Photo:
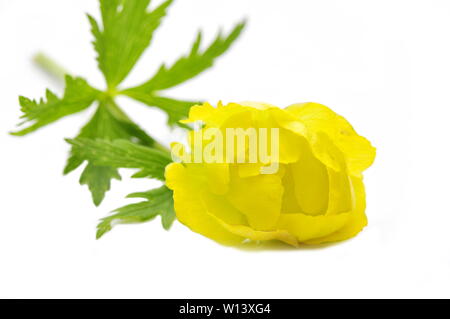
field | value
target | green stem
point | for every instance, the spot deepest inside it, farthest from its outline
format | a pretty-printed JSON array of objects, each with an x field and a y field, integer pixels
[
  {"x": 119, "y": 113},
  {"x": 49, "y": 66},
  {"x": 56, "y": 71}
]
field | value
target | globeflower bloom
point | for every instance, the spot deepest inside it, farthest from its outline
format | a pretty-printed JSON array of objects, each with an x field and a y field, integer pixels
[{"x": 313, "y": 194}]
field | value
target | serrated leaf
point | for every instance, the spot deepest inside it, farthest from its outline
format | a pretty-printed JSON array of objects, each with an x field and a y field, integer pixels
[
  {"x": 190, "y": 65},
  {"x": 98, "y": 179},
  {"x": 176, "y": 109},
  {"x": 158, "y": 202},
  {"x": 108, "y": 123},
  {"x": 122, "y": 154},
  {"x": 78, "y": 96},
  {"x": 182, "y": 70},
  {"x": 127, "y": 31}
]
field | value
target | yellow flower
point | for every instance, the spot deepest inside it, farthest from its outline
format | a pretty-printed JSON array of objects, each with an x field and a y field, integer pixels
[{"x": 316, "y": 195}]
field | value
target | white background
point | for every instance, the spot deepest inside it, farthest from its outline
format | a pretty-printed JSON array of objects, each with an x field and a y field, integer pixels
[{"x": 384, "y": 65}]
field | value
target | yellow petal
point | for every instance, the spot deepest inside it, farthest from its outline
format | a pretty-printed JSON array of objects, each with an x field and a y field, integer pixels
[
  {"x": 175, "y": 175},
  {"x": 287, "y": 144},
  {"x": 288, "y": 121},
  {"x": 249, "y": 233},
  {"x": 311, "y": 183},
  {"x": 218, "y": 177},
  {"x": 289, "y": 204},
  {"x": 249, "y": 169},
  {"x": 358, "y": 151},
  {"x": 288, "y": 131},
  {"x": 219, "y": 207},
  {"x": 257, "y": 105},
  {"x": 305, "y": 227},
  {"x": 289, "y": 147},
  {"x": 357, "y": 218},
  {"x": 311, "y": 112},
  {"x": 211, "y": 215},
  {"x": 215, "y": 116},
  {"x": 199, "y": 113},
  {"x": 258, "y": 198},
  {"x": 341, "y": 194},
  {"x": 236, "y": 117},
  {"x": 190, "y": 208}
]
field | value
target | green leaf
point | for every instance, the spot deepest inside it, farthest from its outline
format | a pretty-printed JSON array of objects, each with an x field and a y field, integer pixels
[
  {"x": 111, "y": 140},
  {"x": 122, "y": 154},
  {"x": 78, "y": 96},
  {"x": 127, "y": 31},
  {"x": 98, "y": 179},
  {"x": 108, "y": 123},
  {"x": 182, "y": 70},
  {"x": 190, "y": 65},
  {"x": 176, "y": 110},
  {"x": 158, "y": 202}
]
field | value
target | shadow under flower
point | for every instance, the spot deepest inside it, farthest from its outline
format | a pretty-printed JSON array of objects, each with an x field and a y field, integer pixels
[{"x": 273, "y": 245}]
